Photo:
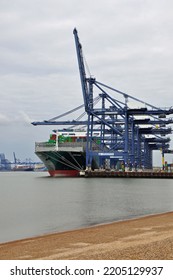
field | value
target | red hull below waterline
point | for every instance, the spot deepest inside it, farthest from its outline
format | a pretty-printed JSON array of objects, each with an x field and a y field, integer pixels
[{"x": 64, "y": 173}]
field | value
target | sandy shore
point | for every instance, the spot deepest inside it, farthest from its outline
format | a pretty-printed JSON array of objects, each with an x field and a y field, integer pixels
[{"x": 149, "y": 237}]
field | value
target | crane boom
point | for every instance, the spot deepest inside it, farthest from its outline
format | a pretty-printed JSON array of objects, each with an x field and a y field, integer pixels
[{"x": 82, "y": 72}]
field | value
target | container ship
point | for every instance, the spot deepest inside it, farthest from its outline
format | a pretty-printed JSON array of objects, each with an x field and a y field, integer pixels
[{"x": 64, "y": 154}]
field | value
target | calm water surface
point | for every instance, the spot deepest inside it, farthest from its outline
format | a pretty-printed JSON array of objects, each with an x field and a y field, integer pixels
[{"x": 32, "y": 203}]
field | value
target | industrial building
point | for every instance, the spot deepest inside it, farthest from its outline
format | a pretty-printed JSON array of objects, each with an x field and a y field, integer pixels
[{"x": 5, "y": 164}]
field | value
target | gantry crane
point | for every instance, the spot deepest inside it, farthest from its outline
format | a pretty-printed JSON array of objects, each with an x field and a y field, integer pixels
[{"x": 125, "y": 134}]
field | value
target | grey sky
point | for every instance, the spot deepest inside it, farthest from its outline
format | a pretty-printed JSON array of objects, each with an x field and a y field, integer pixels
[{"x": 128, "y": 44}]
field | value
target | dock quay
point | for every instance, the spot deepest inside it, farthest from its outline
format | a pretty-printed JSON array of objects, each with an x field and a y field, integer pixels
[{"x": 126, "y": 174}]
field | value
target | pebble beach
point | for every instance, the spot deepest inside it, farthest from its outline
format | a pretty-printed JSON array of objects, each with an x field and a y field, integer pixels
[{"x": 145, "y": 238}]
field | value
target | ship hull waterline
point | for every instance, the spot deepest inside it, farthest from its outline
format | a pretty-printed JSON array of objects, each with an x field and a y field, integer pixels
[{"x": 65, "y": 164}]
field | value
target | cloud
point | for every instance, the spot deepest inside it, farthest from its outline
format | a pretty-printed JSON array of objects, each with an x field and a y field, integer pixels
[
  {"x": 127, "y": 45},
  {"x": 4, "y": 120},
  {"x": 21, "y": 117}
]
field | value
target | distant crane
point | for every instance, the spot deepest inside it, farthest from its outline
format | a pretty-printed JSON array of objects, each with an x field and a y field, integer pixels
[{"x": 15, "y": 159}]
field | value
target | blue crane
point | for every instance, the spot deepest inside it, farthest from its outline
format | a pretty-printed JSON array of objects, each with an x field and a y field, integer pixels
[{"x": 125, "y": 134}]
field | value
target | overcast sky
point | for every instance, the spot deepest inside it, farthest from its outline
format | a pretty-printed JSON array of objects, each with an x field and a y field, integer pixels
[{"x": 128, "y": 44}]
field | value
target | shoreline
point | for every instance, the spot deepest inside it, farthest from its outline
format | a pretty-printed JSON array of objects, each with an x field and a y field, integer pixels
[
  {"x": 81, "y": 228},
  {"x": 146, "y": 237}
]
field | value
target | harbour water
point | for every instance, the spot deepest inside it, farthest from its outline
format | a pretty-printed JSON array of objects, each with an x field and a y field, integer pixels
[{"x": 33, "y": 204}]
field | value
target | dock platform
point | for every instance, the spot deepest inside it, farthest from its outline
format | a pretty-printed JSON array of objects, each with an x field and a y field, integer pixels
[{"x": 127, "y": 174}]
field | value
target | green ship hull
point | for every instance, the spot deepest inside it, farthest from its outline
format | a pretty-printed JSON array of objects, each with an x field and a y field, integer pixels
[{"x": 62, "y": 163}]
